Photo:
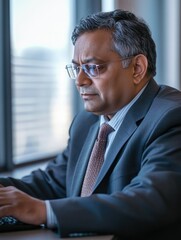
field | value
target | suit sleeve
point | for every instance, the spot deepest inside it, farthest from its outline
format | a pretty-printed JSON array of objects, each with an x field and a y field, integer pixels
[
  {"x": 43, "y": 184},
  {"x": 51, "y": 182}
]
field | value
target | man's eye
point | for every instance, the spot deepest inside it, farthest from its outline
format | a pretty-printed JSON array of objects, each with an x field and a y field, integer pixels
[
  {"x": 92, "y": 69},
  {"x": 89, "y": 67}
]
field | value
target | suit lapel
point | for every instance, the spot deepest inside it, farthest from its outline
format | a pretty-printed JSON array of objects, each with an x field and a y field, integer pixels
[
  {"x": 83, "y": 160},
  {"x": 131, "y": 121},
  {"x": 123, "y": 134}
]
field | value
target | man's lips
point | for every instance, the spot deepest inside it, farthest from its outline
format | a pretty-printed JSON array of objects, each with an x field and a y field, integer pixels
[{"x": 88, "y": 95}]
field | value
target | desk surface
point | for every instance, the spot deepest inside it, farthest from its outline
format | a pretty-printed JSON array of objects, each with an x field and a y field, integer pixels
[{"x": 44, "y": 234}]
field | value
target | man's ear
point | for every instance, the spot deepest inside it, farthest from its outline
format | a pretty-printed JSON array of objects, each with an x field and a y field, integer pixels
[{"x": 140, "y": 68}]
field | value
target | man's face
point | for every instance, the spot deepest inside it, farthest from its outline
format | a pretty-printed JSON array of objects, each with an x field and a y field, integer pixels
[{"x": 114, "y": 87}]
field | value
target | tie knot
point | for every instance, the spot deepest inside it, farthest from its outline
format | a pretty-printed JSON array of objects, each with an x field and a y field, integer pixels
[{"x": 105, "y": 129}]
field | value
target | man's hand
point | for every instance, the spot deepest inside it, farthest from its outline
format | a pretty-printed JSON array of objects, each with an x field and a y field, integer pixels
[{"x": 20, "y": 205}]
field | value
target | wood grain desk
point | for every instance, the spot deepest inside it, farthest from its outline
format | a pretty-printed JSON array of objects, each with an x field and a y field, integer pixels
[{"x": 44, "y": 234}]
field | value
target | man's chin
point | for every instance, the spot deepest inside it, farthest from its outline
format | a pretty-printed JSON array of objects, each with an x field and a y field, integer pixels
[{"x": 93, "y": 111}]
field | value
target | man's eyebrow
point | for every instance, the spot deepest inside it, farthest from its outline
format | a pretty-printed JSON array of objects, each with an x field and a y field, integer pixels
[
  {"x": 74, "y": 62},
  {"x": 88, "y": 60}
]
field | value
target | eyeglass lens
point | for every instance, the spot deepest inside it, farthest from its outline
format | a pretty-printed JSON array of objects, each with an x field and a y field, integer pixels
[{"x": 90, "y": 69}]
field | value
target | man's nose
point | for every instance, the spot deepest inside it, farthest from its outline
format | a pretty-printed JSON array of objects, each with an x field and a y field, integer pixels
[{"x": 82, "y": 79}]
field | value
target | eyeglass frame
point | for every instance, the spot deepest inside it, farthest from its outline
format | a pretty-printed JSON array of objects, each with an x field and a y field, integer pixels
[{"x": 73, "y": 75}]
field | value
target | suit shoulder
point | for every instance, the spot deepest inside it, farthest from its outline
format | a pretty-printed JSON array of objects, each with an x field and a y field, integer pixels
[
  {"x": 169, "y": 93},
  {"x": 166, "y": 105}
]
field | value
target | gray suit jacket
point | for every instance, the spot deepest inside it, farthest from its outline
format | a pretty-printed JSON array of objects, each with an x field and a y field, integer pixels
[{"x": 138, "y": 191}]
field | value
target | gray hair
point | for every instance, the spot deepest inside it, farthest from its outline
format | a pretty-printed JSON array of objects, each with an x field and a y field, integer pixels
[{"x": 131, "y": 35}]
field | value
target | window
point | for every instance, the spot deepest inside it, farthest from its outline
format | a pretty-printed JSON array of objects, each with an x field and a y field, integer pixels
[{"x": 41, "y": 91}]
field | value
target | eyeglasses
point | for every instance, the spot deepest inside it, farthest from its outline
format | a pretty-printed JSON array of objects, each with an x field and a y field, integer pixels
[{"x": 91, "y": 70}]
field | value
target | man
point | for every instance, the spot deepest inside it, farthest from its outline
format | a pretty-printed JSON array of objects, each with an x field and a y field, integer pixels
[{"x": 137, "y": 192}]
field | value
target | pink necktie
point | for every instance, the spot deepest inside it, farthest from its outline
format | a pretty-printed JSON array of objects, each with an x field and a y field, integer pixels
[{"x": 96, "y": 160}]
